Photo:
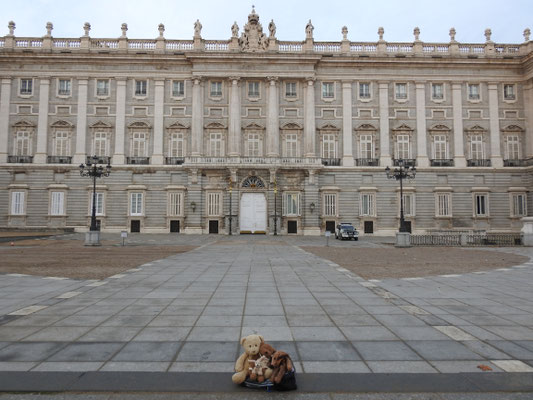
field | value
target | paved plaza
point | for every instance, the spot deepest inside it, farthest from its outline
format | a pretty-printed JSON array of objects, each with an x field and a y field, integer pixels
[{"x": 186, "y": 313}]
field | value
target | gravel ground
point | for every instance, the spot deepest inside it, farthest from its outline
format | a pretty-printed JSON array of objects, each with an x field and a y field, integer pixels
[
  {"x": 379, "y": 263},
  {"x": 71, "y": 259}
]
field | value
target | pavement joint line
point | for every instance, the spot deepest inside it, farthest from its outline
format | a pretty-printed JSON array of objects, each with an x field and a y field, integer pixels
[
  {"x": 28, "y": 310},
  {"x": 512, "y": 365}
]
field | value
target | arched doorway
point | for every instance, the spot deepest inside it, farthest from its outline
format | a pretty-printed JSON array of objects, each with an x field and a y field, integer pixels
[{"x": 253, "y": 207}]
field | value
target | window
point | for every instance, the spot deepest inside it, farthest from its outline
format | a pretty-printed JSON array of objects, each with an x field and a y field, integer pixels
[
  {"x": 178, "y": 88},
  {"x": 26, "y": 87},
  {"x": 366, "y": 147},
  {"x": 61, "y": 144},
  {"x": 440, "y": 147},
  {"x": 476, "y": 147},
  {"x": 141, "y": 88},
  {"x": 481, "y": 205},
  {"x": 328, "y": 90},
  {"x": 518, "y": 206},
  {"x": 443, "y": 205},
  {"x": 138, "y": 148},
  {"x": 253, "y": 89},
  {"x": 175, "y": 204},
  {"x": 330, "y": 204},
  {"x": 509, "y": 92},
  {"x": 57, "y": 203},
  {"x": 367, "y": 207},
  {"x": 329, "y": 146},
  {"x": 136, "y": 204},
  {"x": 291, "y": 204},
  {"x": 402, "y": 147},
  {"x": 364, "y": 90},
  {"x": 22, "y": 143},
  {"x": 401, "y": 91},
  {"x": 473, "y": 92},
  {"x": 64, "y": 87},
  {"x": 290, "y": 89},
  {"x": 513, "y": 148},
  {"x": 253, "y": 145},
  {"x": 102, "y": 87},
  {"x": 213, "y": 204},
  {"x": 100, "y": 144},
  {"x": 216, "y": 89},
  {"x": 215, "y": 144},
  {"x": 17, "y": 203},
  {"x": 437, "y": 91},
  {"x": 291, "y": 145},
  {"x": 99, "y": 203},
  {"x": 176, "y": 145},
  {"x": 408, "y": 205}
]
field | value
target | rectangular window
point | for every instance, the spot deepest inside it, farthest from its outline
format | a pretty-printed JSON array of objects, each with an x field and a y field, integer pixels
[
  {"x": 102, "y": 87},
  {"x": 519, "y": 208},
  {"x": 100, "y": 144},
  {"x": 437, "y": 91},
  {"x": 513, "y": 148},
  {"x": 401, "y": 91},
  {"x": 136, "y": 204},
  {"x": 481, "y": 206},
  {"x": 408, "y": 205},
  {"x": 64, "y": 87},
  {"x": 292, "y": 204},
  {"x": 22, "y": 143},
  {"x": 402, "y": 147},
  {"x": 99, "y": 203},
  {"x": 26, "y": 87},
  {"x": 291, "y": 145},
  {"x": 174, "y": 207},
  {"x": 329, "y": 146},
  {"x": 476, "y": 147},
  {"x": 213, "y": 204},
  {"x": 138, "y": 144},
  {"x": 216, "y": 89},
  {"x": 176, "y": 145},
  {"x": 366, "y": 146},
  {"x": 364, "y": 90},
  {"x": 178, "y": 88},
  {"x": 440, "y": 147},
  {"x": 252, "y": 147},
  {"x": 290, "y": 89},
  {"x": 509, "y": 92},
  {"x": 215, "y": 144},
  {"x": 443, "y": 206},
  {"x": 141, "y": 88},
  {"x": 367, "y": 204},
  {"x": 473, "y": 91},
  {"x": 330, "y": 204},
  {"x": 57, "y": 203},
  {"x": 253, "y": 89},
  {"x": 328, "y": 90},
  {"x": 62, "y": 144},
  {"x": 17, "y": 203}
]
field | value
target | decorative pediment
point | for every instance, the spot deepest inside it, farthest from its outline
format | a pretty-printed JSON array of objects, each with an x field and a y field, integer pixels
[
  {"x": 366, "y": 127},
  {"x": 513, "y": 128},
  {"x": 100, "y": 124},
  {"x": 215, "y": 125},
  {"x": 177, "y": 125},
  {"x": 440, "y": 128},
  {"x": 476, "y": 129},
  {"x": 139, "y": 124},
  {"x": 253, "y": 126},
  {"x": 61, "y": 124},
  {"x": 403, "y": 127},
  {"x": 328, "y": 127},
  {"x": 24, "y": 124},
  {"x": 291, "y": 125}
]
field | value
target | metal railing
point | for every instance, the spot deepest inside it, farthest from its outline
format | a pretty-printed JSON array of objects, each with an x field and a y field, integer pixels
[
  {"x": 435, "y": 240},
  {"x": 367, "y": 162},
  {"x": 478, "y": 163},
  {"x": 407, "y": 162},
  {"x": 331, "y": 161},
  {"x": 20, "y": 159},
  {"x": 514, "y": 163},
  {"x": 59, "y": 159},
  {"x": 466, "y": 238},
  {"x": 174, "y": 160},
  {"x": 441, "y": 162},
  {"x": 138, "y": 160},
  {"x": 495, "y": 239},
  {"x": 100, "y": 160}
]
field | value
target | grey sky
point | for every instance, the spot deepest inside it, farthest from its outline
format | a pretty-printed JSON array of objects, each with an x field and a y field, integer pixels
[{"x": 507, "y": 19}]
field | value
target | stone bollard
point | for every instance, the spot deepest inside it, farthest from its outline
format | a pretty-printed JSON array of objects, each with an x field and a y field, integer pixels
[
  {"x": 527, "y": 231},
  {"x": 403, "y": 239}
]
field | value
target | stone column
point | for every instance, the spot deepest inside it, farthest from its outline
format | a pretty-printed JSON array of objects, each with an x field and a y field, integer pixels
[
  {"x": 197, "y": 128},
  {"x": 385, "y": 157},
  {"x": 81, "y": 123},
  {"x": 120, "y": 122},
  {"x": 347, "y": 125},
  {"x": 272, "y": 128},
  {"x": 495, "y": 149},
  {"x": 458, "y": 148},
  {"x": 528, "y": 99},
  {"x": 309, "y": 119},
  {"x": 5, "y": 97},
  {"x": 234, "y": 132},
  {"x": 421, "y": 131},
  {"x": 159, "y": 100},
  {"x": 42, "y": 127}
]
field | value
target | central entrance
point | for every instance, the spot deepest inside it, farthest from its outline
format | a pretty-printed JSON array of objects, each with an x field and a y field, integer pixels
[{"x": 253, "y": 215}]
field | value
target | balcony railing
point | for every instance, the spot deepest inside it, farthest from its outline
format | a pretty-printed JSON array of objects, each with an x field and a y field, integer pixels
[
  {"x": 478, "y": 163},
  {"x": 407, "y": 162},
  {"x": 288, "y": 161},
  {"x": 174, "y": 160},
  {"x": 515, "y": 163},
  {"x": 331, "y": 162},
  {"x": 20, "y": 159},
  {"x": 442, "y": 162},
  {"x": 367, "y": 162},
  {"x": 101, "y": 160},
  {"x": 138, "y": 160},
  {"x": 59, "y": 159}
]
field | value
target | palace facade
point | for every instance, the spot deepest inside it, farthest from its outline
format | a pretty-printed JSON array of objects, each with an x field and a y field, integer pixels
[{"x": 268, "y": 135}]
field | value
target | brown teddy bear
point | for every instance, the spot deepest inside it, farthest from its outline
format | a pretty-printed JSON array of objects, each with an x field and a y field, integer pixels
[
  {"x": 246, "y": 361},
  {"x": 281, "y": 363},
  {"x": 267, "y": 350}
]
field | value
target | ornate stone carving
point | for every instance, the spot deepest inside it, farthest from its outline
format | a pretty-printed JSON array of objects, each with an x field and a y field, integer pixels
[
  {"x": 452, "y": 35},
  {"x": 253, "y": 38},
  {"x": 86, "y": 28},
  {"x": 272, "y": 29},
  {"x": 197, "y": 29},
  {"x": 344, "y": 32},
  {"x": 488, "y": 33},
  {"x": 49, "y": 28},
  {"x": 527, "y": 33},
  {"x": 381, "y": 32},
  {"x": 124, "y": 29},
  {"x": 11, "y": 26},
  {"x": 253, "y": 182},
  {"x": 309, "y": 28},
  {"x": 235, "y": 30}
]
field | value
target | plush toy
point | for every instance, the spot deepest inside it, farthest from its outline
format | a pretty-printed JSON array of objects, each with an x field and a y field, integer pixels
[
  {"x": 281, "y": 363},
  {"x": 246, "y": 362},
  {"x": 267, "y": 350},
  {"x": 258, "y": 372}
]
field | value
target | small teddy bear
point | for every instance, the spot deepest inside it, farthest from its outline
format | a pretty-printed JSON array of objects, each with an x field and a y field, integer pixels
[
  {"x": 266, "y": 350},
  {"x": 281, "y": 363},
  {"x": 257, "y": 373},
  {"x": 247, "y": 361}
]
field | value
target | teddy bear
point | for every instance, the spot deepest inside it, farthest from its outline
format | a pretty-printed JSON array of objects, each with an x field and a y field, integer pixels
[
  {"x": 246, "y": 361},
  {"x": 258, "y": 371},
  {"x": 266, "y": 350},
  {"x": 281, "y": 363}
]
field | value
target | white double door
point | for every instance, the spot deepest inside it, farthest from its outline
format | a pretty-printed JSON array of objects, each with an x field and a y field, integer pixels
[{"x": 253, "y": 215}]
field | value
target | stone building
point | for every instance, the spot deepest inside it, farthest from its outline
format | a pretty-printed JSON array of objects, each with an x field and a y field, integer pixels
[{"x": 285, "y": 136}]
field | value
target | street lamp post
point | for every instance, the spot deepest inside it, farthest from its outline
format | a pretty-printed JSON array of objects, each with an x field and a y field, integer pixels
[
  {"x": 230, "y": 188},
  {"x": 401, "y": 173},
  {"x": 275, "y": 208},
  {"x": 93, "y": 170}
]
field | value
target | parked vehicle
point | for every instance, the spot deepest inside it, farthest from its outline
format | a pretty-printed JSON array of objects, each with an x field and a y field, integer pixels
[{"x": 346, "y": 230}]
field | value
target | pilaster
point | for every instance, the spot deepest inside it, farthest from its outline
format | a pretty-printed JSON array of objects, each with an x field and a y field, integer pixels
[
  {"x": 309, "y": 118},
  {"x": 528, "y": 101},
  {"x": 385, "y": 157},
  {"x": 421, "y": 130},
  {"x": 120, "y": 122},
  {"x": 159, "y": 100},
  {"x": 5, "y": 97},
  {"x": 42, "y": 125},
  {"x": 197, "y": 117},
  {"x": 495, "y": 149},
  {"x": 272, "y": 128},
  {"x": 457, "y": 100},
  {"x": 347, "y": 125},
  {"x": 234, "y": 133},
  {"x": 81, "y": 123}
]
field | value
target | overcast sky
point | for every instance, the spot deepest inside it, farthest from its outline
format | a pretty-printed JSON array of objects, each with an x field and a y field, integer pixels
[{"x": 507, "y": 19}]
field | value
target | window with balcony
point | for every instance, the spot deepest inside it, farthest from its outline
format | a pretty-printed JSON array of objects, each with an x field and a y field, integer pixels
[
  {"x": 366, "y": 147},
  {"x": 64, "y": 87},
  {"x": 61, "y": 144},
  {"x": 481, "y": 205},
  {"x": 253, "y": 145},
  {"x": 509, "y": 92},
  {"x": 364, "y": 91},
  {"x": 474, "y": 93},
  {"x": 216, "y": 89},
  {"x": 22, "y": 144},
  {"x": 178, "y": 88},
  {"x": 18, "y": 205},
  {"x": 329, "y": 146},
  {"x": 367, "y": 206},
  {"x": 100, "y": 144},
  {"x": 476, "y": 147},
  {"x": 141, "y": 88},
  {"x": 400, "y": 91},
  {"x": 102, "y": 88},
  {"x": 138, "y": 144},
  {"x": 291, "y": 145},
  {"x": 437, "y": 91},
  {"x": 328, "y": 90},
  {"x": 512, "y": 147},
  {"x": 176, "y": 145},
  {"x": 216, "y": 148},
  {"x": 440, "y": 147},
  {"x": 26, "y": 87},
  {"x": 402, "y": 147},
  {"x": 136, "y": 204},
  {"x": 443, "y": 205}
]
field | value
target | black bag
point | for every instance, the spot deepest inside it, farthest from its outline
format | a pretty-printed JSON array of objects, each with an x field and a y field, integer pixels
[
  {"x": 265, "y": 385},
  {"x": 288, "y": 382}
]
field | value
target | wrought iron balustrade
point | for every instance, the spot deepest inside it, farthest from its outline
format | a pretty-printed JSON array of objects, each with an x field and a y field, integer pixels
[
  {"x": 407, "y": 162},
  {"x": 441, "y": 162},
  {"x": 100, "y": 159},
  {"x": 478, "y": 163},
  {"x": 59, "y": 159},
  {"x": 331, "y": 162},
  {"x": 514, "y": 163},
  {"x": 20, "y": 159},
  {"x": 138, "y": 160},
  {"x": 367, "y": 162},
  {"x": 174, "y": 160}
]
